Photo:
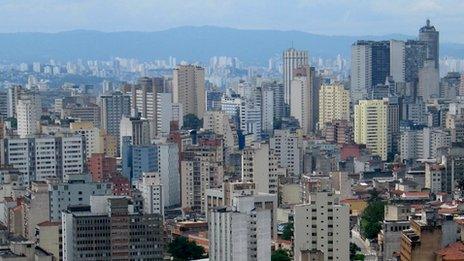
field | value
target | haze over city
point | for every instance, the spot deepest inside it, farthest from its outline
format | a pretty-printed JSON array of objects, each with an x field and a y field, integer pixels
[{"x": 298, "y": 130}]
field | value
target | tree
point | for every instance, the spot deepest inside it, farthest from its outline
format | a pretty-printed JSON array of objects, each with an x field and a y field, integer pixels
[
  {"x": 287, "y": 232},
  {"x": 371, "y": 218},
  {"x": 280, "y": 255},
  {"x": 183, "y": 249},
  {"x": 191, "y": 121},
  {"x": 354, "y": 249}
]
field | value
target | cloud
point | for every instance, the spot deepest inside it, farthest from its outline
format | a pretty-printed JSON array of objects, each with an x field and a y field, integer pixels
[{"x": 333, "y": 17}]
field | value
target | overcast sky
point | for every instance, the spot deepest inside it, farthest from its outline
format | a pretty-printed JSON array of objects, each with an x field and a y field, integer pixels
[{"x": 330, "y": 17}]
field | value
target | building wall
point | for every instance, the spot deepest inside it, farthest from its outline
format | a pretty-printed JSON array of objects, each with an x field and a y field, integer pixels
[
  {"x": 334, "y": 104},
  {"x": 371, "y": 126}
]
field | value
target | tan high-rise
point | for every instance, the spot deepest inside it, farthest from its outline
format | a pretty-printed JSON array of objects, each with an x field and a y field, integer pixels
[
  {"x": 188, "y": 87},
  {"x": 370, "y": 126},
  {"x": 334, "y": 104}
]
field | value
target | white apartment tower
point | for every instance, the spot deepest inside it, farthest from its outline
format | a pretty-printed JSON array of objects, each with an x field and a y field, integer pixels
[
  {"x": 292, "y": 59},
  {"x": 361, "y": 72},
  {"x": 152, "y": 193},
  {"x": 322, "y": 224},
  {"x": 28, "y": 113},
  {"x": 239, "y": 235},
  {"x": 286, "y": 146},
  {"x": 260, "y": 165}
]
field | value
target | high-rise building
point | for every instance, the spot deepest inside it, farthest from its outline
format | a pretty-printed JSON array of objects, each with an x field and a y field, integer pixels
[
  {"x": 292, "y": 59},
  {"x": 28, "y": 118},
  {"x": 250, "y": 118},
  {"x": 236, "y": 234},
  {"x": 422, "y": 143},
  {"x": 278, "y": 95},
  {"x": 45, "y": 157},
  {"x": 398, "y": 60},
  {"x": 430, "y": 36},
  {"x": 144, "y": 97},
  {"x": 338, "y": 131},
  {"x": 334, "y": 104},
  {"x": 301, "y": 97},
  {"x": 114, "y": 107},
  {"x": 102, "y": 168},
  {"x": 287, "y": 147},
  {"x": 167, "y": 112},
  {"x": 261, "y": 166},
  {"x": 92, "y": 135},
  {"x": 322, "y": 224},
  {"x": 202, "y": 167},
  {"x": 111, "y": 230},
  {"x": 370, "y": 65},
  {"x": 188, "y": 84},
  {"x": 370, "y": 126},
  {"x": 135, "y": 129},
  {"x": 219, "y": 123},
  {"x": 3, "y": 104},
  {"x": 415, "y": 56},
  {"x": 168, "y": 168},
  {"x": 429, "y": 78},
  {"x": 152, "y": 193},
  {"x": 267, "y": 109},
  {"x": 74, "y": 190}
]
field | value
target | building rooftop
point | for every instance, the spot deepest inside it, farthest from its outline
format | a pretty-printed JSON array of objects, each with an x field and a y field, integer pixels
[
  {"x": 48, "y": 224},
  {"x": 454, "y": 251}
]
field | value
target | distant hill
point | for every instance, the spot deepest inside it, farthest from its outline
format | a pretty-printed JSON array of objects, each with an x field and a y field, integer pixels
[{"x": 185, "y": 43}]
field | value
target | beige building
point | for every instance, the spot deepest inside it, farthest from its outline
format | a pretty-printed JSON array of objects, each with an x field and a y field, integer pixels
[
  {"x": 188, "y": 88},
  {"x": 334, "y": 104},
  {"x": 49, "y": 238},
  {"x": 201, "y": 168},
  {"x": 301, "y": 97},
  {"x": 37, "y": 207},
  {"x": 370, "y": 126},
  {"x": 219, "y": 123},
  {"x": 92, "y": 134},
  {"x": 260, "y": 165}
]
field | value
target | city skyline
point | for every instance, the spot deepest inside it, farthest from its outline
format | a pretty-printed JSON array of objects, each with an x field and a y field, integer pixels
[{"x": 350, "y": 18}]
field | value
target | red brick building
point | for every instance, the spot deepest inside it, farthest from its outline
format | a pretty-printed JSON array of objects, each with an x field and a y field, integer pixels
[{"x": 101, "y": 167}]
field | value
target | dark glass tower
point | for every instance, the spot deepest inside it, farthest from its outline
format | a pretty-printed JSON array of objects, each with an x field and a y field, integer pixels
[{"x": 430, "y": 35}]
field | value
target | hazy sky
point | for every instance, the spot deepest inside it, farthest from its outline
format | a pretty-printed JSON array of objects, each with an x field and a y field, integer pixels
[{"x": 330, "y": 17}]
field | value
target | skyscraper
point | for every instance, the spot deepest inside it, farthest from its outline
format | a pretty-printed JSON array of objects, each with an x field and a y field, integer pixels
[
  {"x": 188, "y": 84},
  {"x": 428, "y": 86},
  {"x": 430, "y": 35},
  {"x": 397, "y": 60},
  {"x": 292, "y": 59},
  {"x": 370, "y": 65},
  {"x": 415, "y": 55}
]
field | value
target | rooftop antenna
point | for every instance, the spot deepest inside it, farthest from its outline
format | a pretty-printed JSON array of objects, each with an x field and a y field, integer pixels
[{"x": 292, "y": 44}]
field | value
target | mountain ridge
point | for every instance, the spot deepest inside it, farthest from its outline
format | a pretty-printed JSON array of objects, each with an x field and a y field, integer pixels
[{"x": 191, "y": 43}]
